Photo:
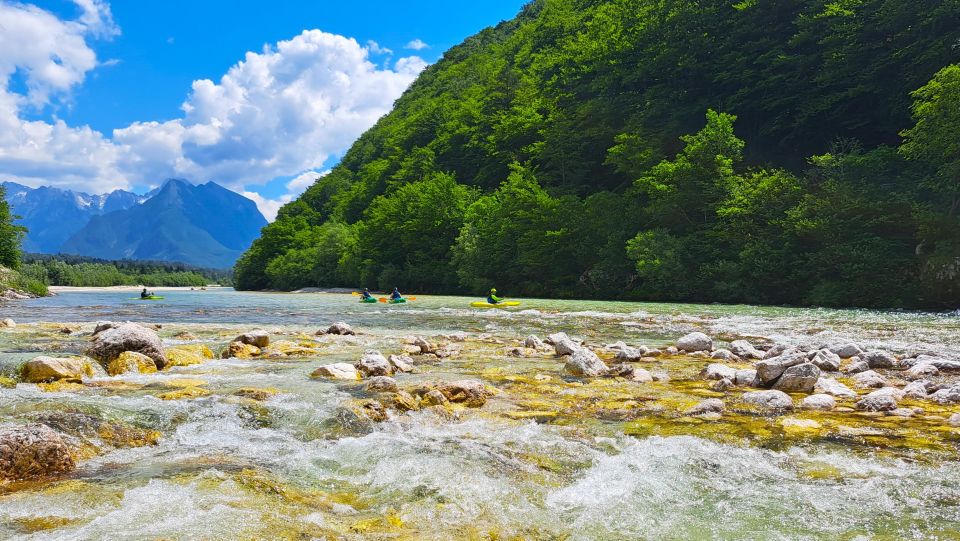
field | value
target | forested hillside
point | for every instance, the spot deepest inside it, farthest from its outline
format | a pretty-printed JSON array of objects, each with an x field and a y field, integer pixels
[{"x": 801, "y": 152}]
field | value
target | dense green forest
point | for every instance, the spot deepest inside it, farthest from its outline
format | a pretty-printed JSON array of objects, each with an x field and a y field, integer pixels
[
  {"x": 80, "y": 271},
  {"x": 11, "y": 236},
  {"x": 798, "y": 152}
]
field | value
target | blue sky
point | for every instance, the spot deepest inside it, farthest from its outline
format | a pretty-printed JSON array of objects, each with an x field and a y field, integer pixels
[{"x": 131, "y": 66}]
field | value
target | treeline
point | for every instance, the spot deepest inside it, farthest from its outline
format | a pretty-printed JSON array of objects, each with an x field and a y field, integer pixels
[
  {"x": 80, "y": 271},
  {"x": 799, "y": 152}
]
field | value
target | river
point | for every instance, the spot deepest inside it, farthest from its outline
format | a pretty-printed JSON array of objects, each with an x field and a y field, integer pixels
[{"x": 548, "y": 456}]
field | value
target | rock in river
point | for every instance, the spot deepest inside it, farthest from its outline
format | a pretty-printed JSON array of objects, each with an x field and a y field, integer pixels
[
  {"x": 772, "y": 400},
  {"x": 826, "y": 360},
  {"x": 382, "y": 384},
  {"x": 695, "y": 341},
  {"x": 769, "y": 370},
  {"x": 717, "y": 371},
  {"x": 133, "y": 362},
  {"x": 31, "y": 451},
  {"x": 819, "y": 402},
  {"x": 373, "y": 363},
  {"x": 877, "y": 401},
  {"x": 338, "y": 328},
  {"x": 110, "y": 343},
  {"x": 585, "y": 363},
  {"x": 869, "y": 380},
  {"x": 798, "y": 379},
  {"x": 833, "y": 387},
  {"x": 710, "y": 405},
  {"x": 879, "y": 359},
  {"x": 43, "y": 369},
  {"x": 344, "y": 371},
  {"x": 745, "y": 350},
  {"x": 258, "y": 338}
]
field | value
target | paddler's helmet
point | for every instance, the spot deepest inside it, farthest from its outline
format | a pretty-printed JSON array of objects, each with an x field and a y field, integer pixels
[{"x": 493, "y": 290}]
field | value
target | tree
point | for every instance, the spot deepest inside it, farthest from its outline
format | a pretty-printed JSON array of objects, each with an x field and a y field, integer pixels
[{"x": 10, "y": 235}]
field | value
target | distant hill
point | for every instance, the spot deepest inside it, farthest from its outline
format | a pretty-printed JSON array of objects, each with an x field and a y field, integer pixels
[
  {"x": 52, "y": 215},
  {"x": 205, "y": 225}
]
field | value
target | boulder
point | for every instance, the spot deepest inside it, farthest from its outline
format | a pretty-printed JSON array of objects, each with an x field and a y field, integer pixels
[
  {"x": 768, "y": 370},
  {"x": 239, "y": 350},
  {"x": 43, "y": 369},
  {"x": 800, "y": 378},
  {"x": 8, "y": 323},
  {"x": 640, "y": 375},
  {"x": 879, "y": 358},
  {"x": 565, "y": 346},
  {"x": 630, "y": 354},
  {"x": 101, "y": 326},
  {"x": 258, "y": 338},
  {"x": 820, "y": 401},
  {"x": 552, "y": 339},
  {"x": 345, "y": 371},
  {"x": 777, "y": 350},
  {"x": 434, "y": 398},
  {"x": 877, "y": 401},
  {"x": 382, "y": 384},
  {"x": 954, "y": 420},
  {"x": 339, "y": 328},
  {"x": 950, "y": 395},
  {"x": 833, "y": 387},
  {"x": 184, "y": 357},
  {"x": 695, "y": 341},
  {"x": 745, "y": 376},
  {"x": 585, "y": 363},
  {"x": 856, "y": 366},
  {"x": 425, "y": 345},
  {"x": 717, "y": 371},
  {"x": 131, "y": 362},
  {"x": 401, "y": 363},
  {"x": 826, "y": 360},
  {"x": 710, "y": 405},
  {"x": 916, "y": 390},
  {"x": 468, "y": 392},
  {"x": 724, "y": 355},
  {"x": 31, "y": 451},
  {"x": 940, "y": 363},
  {"x": 745, "y": 350},
  {"x": 373, "y": 363},
  {"x": 533, "y": 342},
  {"x": 845, "y": 351},
  {"x": 772, "y": 400},
  {"x": 869, "y": 380},
  {"x": 921, "y": 371},
  {"x": 108, "y": 344}
]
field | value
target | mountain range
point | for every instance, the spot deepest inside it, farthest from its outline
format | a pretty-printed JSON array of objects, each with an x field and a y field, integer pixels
[{"x": 205, "y": 225}]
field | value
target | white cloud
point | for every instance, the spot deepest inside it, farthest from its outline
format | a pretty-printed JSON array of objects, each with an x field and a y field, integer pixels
[
  {"x": 417, "y": 45},
  {"x": 268, "y": 207},
  {"x": 301, "y": 182},
  {"x": 278, "y": 112},
  {"x": 375, "y": 48}
]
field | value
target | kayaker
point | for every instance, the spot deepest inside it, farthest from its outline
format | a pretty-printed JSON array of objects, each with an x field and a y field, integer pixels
[
  {"x": 395, "y": 296},
  {"x": 145, "y": 295},
  {"x": 366, "y": 294},
  {"x": 493, "y": 298}
]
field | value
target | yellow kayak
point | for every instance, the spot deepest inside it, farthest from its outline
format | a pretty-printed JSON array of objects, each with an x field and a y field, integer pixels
[{"x": 482, "y": 304}]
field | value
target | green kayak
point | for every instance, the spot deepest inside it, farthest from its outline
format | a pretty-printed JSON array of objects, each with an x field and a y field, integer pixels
[
  {"x": 397, "y": 301},
  {"x": 371, "y": 300}
]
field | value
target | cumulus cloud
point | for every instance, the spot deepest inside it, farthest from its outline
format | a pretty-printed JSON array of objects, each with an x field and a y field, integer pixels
[
  {"x": 283, "y": 111},
  {"x": 417, "y": 45},
  {"x": 375, "y": 48}
]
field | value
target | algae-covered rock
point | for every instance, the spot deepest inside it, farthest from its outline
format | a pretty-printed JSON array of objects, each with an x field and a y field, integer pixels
[
  {"x": 695, "y": 341},
  {"x": 8, "y": 323},
  {"x": 131, "y": 362},
  {"x": 181, "y": 357},
  {"x": 45, "y": 369},
  {"x": 31, "y": 451},
  {"x": 373, "y": 363},
  {"x": 772, "y": 400},
  {"x": 403, "y": 401},
  {"x": 258, "y": 338},
  {"x": 469, "y": 392},
  {"x": 798, "y": 379},
  {"x": 256, "y": 393},
  {"x": 110, "y": 343},
  {"x": 186, "y": 392},
  {"x": 434, "y": 398},
  {"x": 345, "y": 371},
  {"x": 7, "y": 383},
  {"x": 710, "y": 405},
  {"x": 768, "y": 370},
  {"x": 239, "y": 350}
]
